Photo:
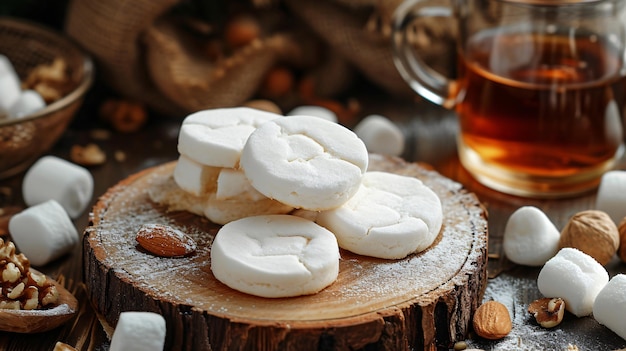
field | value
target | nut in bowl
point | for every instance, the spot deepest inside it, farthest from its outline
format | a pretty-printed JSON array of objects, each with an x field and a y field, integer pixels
[{"x": 35, "y": 52}]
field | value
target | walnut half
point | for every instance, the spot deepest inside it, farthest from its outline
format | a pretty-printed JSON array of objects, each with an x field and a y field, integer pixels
[
  {"x": 548, "y": 311},
  {"x": 21, "y": 288}
]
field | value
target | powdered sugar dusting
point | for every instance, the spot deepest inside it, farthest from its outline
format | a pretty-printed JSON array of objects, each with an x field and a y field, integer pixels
[
  {"x": 514, "y": 291},
  {"x": 364, "y": 284}
]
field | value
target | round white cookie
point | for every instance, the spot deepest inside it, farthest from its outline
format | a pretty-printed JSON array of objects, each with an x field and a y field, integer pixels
[
  {"x": 391, "y": 216},
  {"x": 195, "y": 178},
  {"x": 305, "y": 162},
  {"x": 222, "y": 211},
  {"x": 275, "y": 256},
  {"x": 216, "y": 137}
]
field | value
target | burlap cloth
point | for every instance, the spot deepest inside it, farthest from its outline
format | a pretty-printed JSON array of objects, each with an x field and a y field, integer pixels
[{"x": 142, "y": 53}]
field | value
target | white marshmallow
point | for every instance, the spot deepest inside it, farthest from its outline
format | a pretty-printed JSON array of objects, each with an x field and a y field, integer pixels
[
  {"x": 195, "y": 178},
  {"x": 10, "y": 85},
  {"x": 380, "y": 135},
  {"x": 43, "y": 232},
  {"x": 609, "y": 307},
  {"x": 139, "y": 331},
  {"x": 530, "y": 238},
  {"x": 234, "y": 208},
  {"x": 575, "y": 277},
  {"x": 305, "y": 162},
  {"x": 27, "y": 103},
  {"x": 216, "y": 137},
  {"x": 57, "y": 179},
  {"x": 612, "y": 195},
  {"x": 391, "y": 216},
  {"x": 5, "y": 65},
  {"x": 275, "y": 256},
  {"x": 232, "y": 183},
  {"x": 315, "y": 111}
]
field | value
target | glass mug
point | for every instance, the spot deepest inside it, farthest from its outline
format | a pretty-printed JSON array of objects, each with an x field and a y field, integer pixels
[{"x": 539, "y": 90}]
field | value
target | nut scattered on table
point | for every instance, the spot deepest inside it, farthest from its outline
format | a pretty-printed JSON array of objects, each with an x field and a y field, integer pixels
[
  {"x": 492, "y": 321},
  {"x": 548, "y": 312},
  {"x": 88, "y": 155},
  {"x": 592, "y": 232},
  {"x": 124, "y": 115},
  {"x": 21, "y": 287},
  {"x": 165, "y": 241}
]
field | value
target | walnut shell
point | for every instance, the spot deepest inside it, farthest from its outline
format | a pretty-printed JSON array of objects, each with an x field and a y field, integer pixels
[
  {"x": 592, "y": 232},
  {"x": 622, "y": 239}
]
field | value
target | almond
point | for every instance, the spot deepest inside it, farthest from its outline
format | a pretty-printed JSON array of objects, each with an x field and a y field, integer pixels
[
  {"x": 492, "y": 321},
  {"x": 165, "y": 241}
]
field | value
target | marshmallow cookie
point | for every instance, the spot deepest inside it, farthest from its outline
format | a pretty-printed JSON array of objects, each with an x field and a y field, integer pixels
[
  {"x": 275, "y": 256},
  {"x": 391, "y": 216},
  {"x": 195, "y": 178},
  {"x": 306, "y": 162},
  {"x": 216, "y": 137}
]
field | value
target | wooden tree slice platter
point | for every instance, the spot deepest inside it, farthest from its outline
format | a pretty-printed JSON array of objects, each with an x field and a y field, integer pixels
[{"x": 424, "y": 301}]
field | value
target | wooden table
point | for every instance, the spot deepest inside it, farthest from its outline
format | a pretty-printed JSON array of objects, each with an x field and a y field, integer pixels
[{"x": 430, "y": 138}]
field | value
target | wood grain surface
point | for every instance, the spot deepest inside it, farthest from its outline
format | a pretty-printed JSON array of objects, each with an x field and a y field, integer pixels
[{"x": 427, "y": 299}]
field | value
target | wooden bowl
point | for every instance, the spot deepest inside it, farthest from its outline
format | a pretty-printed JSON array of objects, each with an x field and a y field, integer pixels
[{"x": 23, "y": 140}]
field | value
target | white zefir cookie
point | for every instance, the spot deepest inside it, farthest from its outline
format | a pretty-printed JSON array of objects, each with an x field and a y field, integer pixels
[
  {"x": 305, "y": 162},
  {"x": 216, "y": 137},
  {"x": 232, "y": 183},
  {"x": 195, "y": 178},
  {"x": 174, "y": 198},
  {"x": 391, "y": 216},
  {"x": 275, "y": 256},
  {"x": 238, "y": 207},
  {"x": 219, "y": 211}
]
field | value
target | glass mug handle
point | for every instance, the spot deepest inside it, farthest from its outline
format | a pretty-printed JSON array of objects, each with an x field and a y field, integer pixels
[{"x": 423, "y": 79}]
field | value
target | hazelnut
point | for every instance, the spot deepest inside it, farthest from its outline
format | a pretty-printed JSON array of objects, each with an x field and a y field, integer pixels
[
  {"x": 622, "y": 239},
  {"x": 278, "y": 82},
  {"x": 548, "y": 312},
  {"x": 492, "y": 321},
  {"x": 124, "y": 115},
  {"x": 592, "y": 232}
]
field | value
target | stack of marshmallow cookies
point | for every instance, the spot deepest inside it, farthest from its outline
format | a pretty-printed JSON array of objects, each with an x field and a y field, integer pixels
[{"x": 289, "y": 192}]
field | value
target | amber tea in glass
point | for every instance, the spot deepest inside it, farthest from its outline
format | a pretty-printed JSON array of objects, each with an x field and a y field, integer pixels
[{"x": 539, "y": 92}]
